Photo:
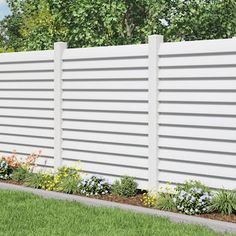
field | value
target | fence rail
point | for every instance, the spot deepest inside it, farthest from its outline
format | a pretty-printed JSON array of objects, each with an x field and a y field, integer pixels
[{"x": 161, "y": 112}]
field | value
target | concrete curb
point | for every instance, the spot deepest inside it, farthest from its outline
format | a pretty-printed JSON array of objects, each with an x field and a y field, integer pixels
[{"x": 216, "y": 225}]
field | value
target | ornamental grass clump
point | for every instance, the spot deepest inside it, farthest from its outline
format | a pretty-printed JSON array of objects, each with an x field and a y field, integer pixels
[
  {"x": 94, "y": 185},
  {"x": 224, "y": 202},
  {"x": 192, "y": 198},
  {"x": 165, "y": 198}
]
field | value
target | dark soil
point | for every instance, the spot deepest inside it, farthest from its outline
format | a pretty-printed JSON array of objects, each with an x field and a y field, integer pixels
[{"x": 137, "y": 201}]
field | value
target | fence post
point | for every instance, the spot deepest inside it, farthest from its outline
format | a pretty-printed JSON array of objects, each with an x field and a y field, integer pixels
[
  {"x": 58, "y": 53},
  {"x": 154, "y": 42}
]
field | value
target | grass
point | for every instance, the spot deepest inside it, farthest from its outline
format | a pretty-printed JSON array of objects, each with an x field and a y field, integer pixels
[{"x": 26, "y": 214}]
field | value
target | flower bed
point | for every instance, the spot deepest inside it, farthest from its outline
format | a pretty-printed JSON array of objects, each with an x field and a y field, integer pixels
[{"x": 192, "y": 197}]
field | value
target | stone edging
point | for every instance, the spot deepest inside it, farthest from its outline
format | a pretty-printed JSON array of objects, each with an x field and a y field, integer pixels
[{"x": 219, "y": 226}]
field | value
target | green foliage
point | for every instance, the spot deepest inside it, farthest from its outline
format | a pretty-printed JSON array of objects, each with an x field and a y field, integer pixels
[
  {"x": 20, "y": 174},
  {"x": 192, "y": 197},
  {"x": 224, "y": 202},
  {"x": 37, "y": 24},
  {"x": 64, "y": 180},
  {"x": 94, "y": 185},
  {"x": 126, "y": 187},
  {"x": 165, "y": 198},
  {"x": 35, "y": 180},
  {"x": 69, "y": 185}
]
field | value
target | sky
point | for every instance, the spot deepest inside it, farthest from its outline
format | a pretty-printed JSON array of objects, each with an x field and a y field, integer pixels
[{"x": 4, "y": 10}]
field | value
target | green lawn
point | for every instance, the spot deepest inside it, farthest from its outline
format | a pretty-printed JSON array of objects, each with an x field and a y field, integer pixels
[{"x": 25, "y": 214}]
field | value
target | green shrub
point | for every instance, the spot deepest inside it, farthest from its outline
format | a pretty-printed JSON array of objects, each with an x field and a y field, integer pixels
[
  {"x": 94, "y": 185},
  {"x": 20, "y": 174},
  {"x": 192, "y": 197},
  {"x": 224, "y": 202},
  {"x": 126, "y": 187}
]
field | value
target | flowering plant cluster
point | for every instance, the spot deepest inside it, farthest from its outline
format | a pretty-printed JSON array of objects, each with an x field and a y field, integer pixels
[
  {"x": 149, "y": 199},
  {"x": 193, "y": 199},
  {"x": 10, "y": 163},
  {"x": 94, "y": 185}
]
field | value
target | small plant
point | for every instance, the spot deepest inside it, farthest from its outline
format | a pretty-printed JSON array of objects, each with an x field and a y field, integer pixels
[
  {"x": 5, "y": 170},
  {"x": 192, "y": 198},
  {"x": 94, "y": 185},
  {"x": 69, "y": 185},
  {"x": 126, "y": 187},
  {"x": 35, "y": 180},
  {"x": 20, "y": 174},
  {"x": 224, "y": 202},
  {"x": 165, "y": 198},
  {"x": 149, "y": 199}
]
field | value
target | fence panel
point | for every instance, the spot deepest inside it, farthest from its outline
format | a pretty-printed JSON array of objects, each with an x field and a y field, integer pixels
[
  {"x": 197, "y": 112},
  {"x": 26, "y": 104},
  {"x": 105, "y": 110}
]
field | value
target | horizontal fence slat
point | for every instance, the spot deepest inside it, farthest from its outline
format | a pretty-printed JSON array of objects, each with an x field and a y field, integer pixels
[
  {"x": 208, "y": 109},
  {"x": 206, "y": 60},
  {"x": 105, "y": 64},
  {"x": 218, "y": 72},
  {"x": 30, "y": 95},
  {"x": 24, "y": 85},
  {"x": 106, "y": 106},
  {"x": 110, "y": 159},
  {"x": 106, "y": 74},
  {"x": 213, "y": 182},
  {"x": 26, "y": 140},
  {"x": 191, "y": 120},
  {"x": 32, "y": 56},
  {"x": 202, "y": 85},
  {"x": 27, "y": 131},
  {"x": 26, "y": 76},
  {"x": 105, "y": 137},
  {"x": 36, "y": 66},
  {"x": 196, "y": 156},
  {"x": 221, "y": 97},
  {"x": 105, "y": 95},
  {"x": 111, "y": 169},
  {"x": 106, "y": 127},
  {"x": 105, "y": 116},
  {"x": 205, "y": 133},
  {"x": 26, "y": 104},
  {"x": 26, "y": 122},
  {"x": 106, "y": 85},
  {"x": 196, "y": 144},
  {"x": 106, "y": 148},
  {"x": 198, "y": 47},
  {"x": 195, "y": 168},
  {"x": 26, "y": 149},
  {"x": 106, "y": 52},
  {"x": 26, "y": 113}
]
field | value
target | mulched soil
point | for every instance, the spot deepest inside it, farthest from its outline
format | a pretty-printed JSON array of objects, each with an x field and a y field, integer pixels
[{"x": 137, "y": 201}]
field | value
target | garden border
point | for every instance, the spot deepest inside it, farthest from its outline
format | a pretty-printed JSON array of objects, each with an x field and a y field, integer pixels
[{"x": 219, "y": 226}]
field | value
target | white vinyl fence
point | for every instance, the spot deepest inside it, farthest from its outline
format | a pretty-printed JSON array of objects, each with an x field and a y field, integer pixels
[{"x": 161, "y": 112}]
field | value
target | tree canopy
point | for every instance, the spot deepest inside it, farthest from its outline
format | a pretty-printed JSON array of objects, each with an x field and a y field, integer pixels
[{"x": 37, "y": 24}]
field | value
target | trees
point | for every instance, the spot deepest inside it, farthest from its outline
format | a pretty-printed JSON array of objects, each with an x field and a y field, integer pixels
[{"x": 36, "y": 24}]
